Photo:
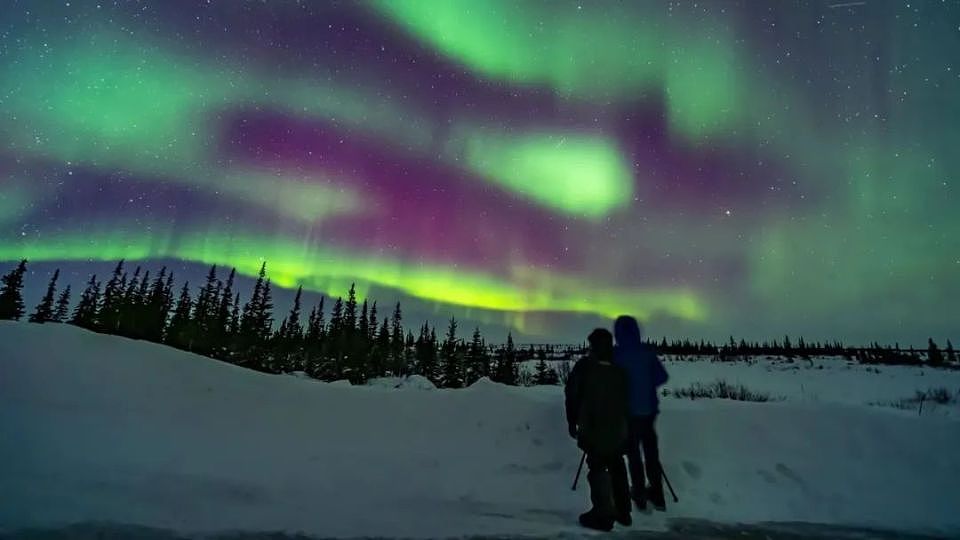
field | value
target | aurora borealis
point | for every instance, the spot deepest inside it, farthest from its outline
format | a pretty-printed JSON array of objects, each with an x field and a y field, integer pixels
[{"x": 716, "y": 168}]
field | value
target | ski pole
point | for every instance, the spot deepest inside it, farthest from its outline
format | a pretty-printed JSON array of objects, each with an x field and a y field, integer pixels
[
  {"x": 577, "y": 477},
  {"x": 663, "y": 473}
]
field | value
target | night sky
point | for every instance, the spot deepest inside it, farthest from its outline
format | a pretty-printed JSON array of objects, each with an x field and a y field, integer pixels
[{"x": 715, "y": 168}]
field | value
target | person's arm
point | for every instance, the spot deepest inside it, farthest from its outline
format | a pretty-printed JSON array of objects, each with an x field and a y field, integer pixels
[
  {"x": 660, "y": 376},
  {"x": 572, "y": 391}
]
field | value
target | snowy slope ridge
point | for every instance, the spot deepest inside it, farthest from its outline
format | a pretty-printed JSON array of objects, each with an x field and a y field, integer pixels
[{"x": 104, "y": 429}]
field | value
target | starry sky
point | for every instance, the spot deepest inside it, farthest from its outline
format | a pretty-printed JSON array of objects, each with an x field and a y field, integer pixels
[{"x": 714, "y": 168}]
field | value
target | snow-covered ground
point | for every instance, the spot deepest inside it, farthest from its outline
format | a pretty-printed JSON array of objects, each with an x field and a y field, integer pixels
[
  {"x": 826, "y": 380},
  {"x": 97, "y": 428}
]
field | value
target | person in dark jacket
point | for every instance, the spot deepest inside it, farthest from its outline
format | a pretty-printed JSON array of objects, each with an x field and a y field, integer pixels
[
  {"x": 645, "y": 373},
  {"x": 596, "y": 406}
]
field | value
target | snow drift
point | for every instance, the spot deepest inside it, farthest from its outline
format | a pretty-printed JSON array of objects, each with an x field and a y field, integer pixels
[{"x": 101, "y": 428}]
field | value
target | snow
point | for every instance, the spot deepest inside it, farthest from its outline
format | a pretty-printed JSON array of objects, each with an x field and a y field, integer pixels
[
  {"x": 824, "y": 380},
  {"x": 832, "y": 380},
  {"x": 97, "y": 428}
]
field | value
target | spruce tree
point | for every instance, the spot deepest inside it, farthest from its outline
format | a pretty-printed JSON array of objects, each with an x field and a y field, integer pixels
[
  {"x": 294, "y": 327},
  {"x": 350, "y": 310},
  {"x": 364, "y": 331},
  {"x": 396, "y": 334},
  {"x": 85, "y": 314},
  {"x": 265, "y": 312},
  {"x": 155, "y": 308},
  {"x": 355, "y": 348},
  {"x": 129, "y": 294},
  {"x": 311, "y": 324},
  {"x": 179, "y": 331},
  {"x": 11, "y": 293},
  {"x": 541, "y": 376},
  {"x": 419, "y": 353},
  {"x": 374, "y": 321},
  {"x": 206, "y": 311},
  {"x": 168, "y": 291},
  {"x": 44, "y": 311},
  {"x": 336, "y": 327},
  {"x": 316, "y": 327},
  {"x": 224, "y": 310},
  {"x": 409, "y": 355},
  {"x": 934, "y": 356},
  {"x": 63, "y": 306},
  {"x": 787, "y": 347},
  {"x": 507, "y": 369},
  {"x": 142, "y": 295},
  {"x": 138, "y": 308},
  {"x": 476, "y": 359},
  {"x": 450, "y": 361},
  {"x": 256, "y": 325},
  {"x": 511, "y": 359},
  {"x": 319, "y": 330},
  {"x": 234, "y": 326},
  {"x": 426, "y": 365},
  {"x": 310, "y": 343},
  {"x": 228, "y": 342},
  {"x": 383, "y": 350},
  {"x": 128, "y": 308},
  {"x": 435, "y": 374},
  {"x": 108, "y": 314},
  {"x": 249, "y": 320},
  {"x": 951, "y": 354}
]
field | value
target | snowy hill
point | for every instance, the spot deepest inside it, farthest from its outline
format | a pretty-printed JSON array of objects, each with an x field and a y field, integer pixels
[{"x": 105, "y": 429}]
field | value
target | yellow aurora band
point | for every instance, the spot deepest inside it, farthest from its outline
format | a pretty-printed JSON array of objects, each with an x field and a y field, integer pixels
[{"x": 331, "y": 271}]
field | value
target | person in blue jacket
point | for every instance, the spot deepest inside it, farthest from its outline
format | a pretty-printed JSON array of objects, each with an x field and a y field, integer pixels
[{"x": 645, "y": 373}]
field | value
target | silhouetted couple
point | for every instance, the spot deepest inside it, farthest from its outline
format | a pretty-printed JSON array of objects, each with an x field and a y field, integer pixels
[{"x": 612, "y": 405}]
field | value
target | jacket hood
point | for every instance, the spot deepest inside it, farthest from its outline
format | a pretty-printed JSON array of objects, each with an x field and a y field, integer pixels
[{"x": 626, "y": 330}]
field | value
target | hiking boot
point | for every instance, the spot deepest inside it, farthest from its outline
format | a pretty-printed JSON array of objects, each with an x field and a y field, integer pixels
[
  {"x": 593, "y": 520},
  {"x": 623, "y": 518},
  {"x": 657, "y": 500}
]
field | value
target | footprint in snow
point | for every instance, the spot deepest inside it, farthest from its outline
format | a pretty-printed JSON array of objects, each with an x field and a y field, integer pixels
[
  {"x": 768, "y": 476},
  {"x": 789, "y": 473},
  {"x": 693, "y": 470}
]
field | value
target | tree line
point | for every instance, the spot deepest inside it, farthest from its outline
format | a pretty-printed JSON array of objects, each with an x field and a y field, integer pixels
[
  {"x": 355, "y": 343},
  {"x": 872, "y": 354}
]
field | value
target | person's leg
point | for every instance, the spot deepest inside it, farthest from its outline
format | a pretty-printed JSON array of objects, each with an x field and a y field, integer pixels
[
  {"x": 635, "y": 459},
  {"x": 651, "y": 454},
  {"x": 601, "y": 494},
  {"x": 621, "y": 489},
  {"x": 602, "y": 513}
]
